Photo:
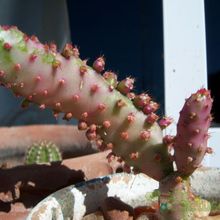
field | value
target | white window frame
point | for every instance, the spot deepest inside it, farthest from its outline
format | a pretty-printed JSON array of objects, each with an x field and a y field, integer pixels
[{"x": 185, "y": 64}]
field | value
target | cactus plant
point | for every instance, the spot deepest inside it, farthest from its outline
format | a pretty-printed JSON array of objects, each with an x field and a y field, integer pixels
[
  {"x": 42, "y": 152},
  {"x": 110, "y": 113}
]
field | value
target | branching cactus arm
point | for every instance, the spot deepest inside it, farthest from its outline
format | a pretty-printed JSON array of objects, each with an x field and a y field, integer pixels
[
  {"x": 192, "y": 132},
  {"x": 112, "y": 116}
]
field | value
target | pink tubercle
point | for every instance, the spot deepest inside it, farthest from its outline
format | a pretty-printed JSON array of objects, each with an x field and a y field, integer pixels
[
  {"x": 131, "y": 117},
  {"x": 91, "y": 135},
  {"x": 94, "y": 88},
  {"x": 145, "y": 135},
  {"x": 82, "y": 125},
  {"x": 76, "y": 97},
  {"x": 134, "y": 156},
  {"x": 58, "y": 104},
  {"x": 68, "y": 116},
  {"x": 101, "y": 107},
  {"x": 17, "y": 67},
  {"x": 45, "y": 92},
  {"x": 152, "y": 118},
  {"x": 2, "y": 73},
  {"x": 92, "y": 127},
  {"x": 165, "y": 122},
  {"x": 32, "y": 57},
  {"x": 7, "y": 46},
  {"x": 106, "y": 124},
  {"x": 38, "y": 78},
  {"x": 84, "y": 115},
  {"x": 124, "y": 135},
  {"x": 99, "y": 64},
  {"x": 62, "y": 82},
  {"x": 82, "y": 70}
]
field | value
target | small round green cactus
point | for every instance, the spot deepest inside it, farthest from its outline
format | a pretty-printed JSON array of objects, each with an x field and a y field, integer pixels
[{"x": 43, "y": 152}]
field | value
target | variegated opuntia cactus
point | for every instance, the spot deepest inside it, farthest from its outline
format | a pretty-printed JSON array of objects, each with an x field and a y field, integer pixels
[
  {"x": 42, "y": 152},
  {"x": 111, "y": 115}
]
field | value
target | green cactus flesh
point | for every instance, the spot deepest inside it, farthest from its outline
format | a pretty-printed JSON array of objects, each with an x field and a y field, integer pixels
[
  {"x": 67, "y": 84},
  {"x": 42, "y": 152}
]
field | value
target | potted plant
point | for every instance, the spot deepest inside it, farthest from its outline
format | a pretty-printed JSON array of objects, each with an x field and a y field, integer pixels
[{"x": 112, "y": 116}]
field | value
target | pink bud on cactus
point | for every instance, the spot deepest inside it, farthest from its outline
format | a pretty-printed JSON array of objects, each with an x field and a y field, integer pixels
[
  {"x": 32, "y": 57},
  {"x": 99, "y": 64},
  {"x": 165, "y": 122},
  {"x": 141, "y": 100},
  {"x": 150, "y": 107},
  {"x": 111, "y": 78},
  {"x": 67, "y": 51},
  {"x": 17, "y": 67},
  {"x": 126, "y": 85},
  {"x": 75, "y": 52},
  {"x": 168, "y": 140},
  {"x": 152, "y": 118}
]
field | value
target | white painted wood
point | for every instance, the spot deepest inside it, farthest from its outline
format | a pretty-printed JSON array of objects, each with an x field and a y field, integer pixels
[{"x": 185, "y": 60}]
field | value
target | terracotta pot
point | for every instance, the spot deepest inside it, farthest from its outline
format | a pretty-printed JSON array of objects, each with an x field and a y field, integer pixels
[
  {"x": 22, "y": 187},
  {"x": 74, "y": 202},
  {"x": 14, "y": 141}
]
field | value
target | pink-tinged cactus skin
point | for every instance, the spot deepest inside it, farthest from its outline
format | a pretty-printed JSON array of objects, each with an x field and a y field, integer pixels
[
  {"x": 67, "y": 84},
  {"x": 190, "y": 144}
]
